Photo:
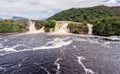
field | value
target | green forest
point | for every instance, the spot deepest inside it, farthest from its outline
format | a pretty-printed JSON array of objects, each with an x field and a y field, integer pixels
[
  {"x": 107, "y": 26},
  {"x": 105, "y": 19},
  {"x": 11, "y": 26},
  {"x": 82, "y": 14}
]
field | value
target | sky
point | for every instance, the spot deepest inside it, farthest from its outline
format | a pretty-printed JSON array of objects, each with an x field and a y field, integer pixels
[{"x": 41, "y": 9}]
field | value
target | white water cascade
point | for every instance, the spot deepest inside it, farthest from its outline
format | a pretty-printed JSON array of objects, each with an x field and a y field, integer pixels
[
  {"x": 90, "y": 27},
  {"x": 61, "y": 27},
  {"x": 32, "y": 29},
  {"x": 31, "y": 26}
]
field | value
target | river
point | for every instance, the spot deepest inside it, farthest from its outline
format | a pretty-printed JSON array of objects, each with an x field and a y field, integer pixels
[{"x": 43, "y": 53}]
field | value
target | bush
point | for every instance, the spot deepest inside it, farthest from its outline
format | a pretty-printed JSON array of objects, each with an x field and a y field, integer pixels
[
  {"x": 49, "y": 24},
  {"x": 78, "y": 28},
  {"x": 70, "y": 25},
  {"x": 107, "y": 26},
  {"x": 11, "y": 26},
  {"x": 39, "y": 24}
]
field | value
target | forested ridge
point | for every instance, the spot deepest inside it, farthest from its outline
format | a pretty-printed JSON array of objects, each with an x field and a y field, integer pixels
[
  {"x": 106, "y": 20},
  {"x": 83, "y": 14}
]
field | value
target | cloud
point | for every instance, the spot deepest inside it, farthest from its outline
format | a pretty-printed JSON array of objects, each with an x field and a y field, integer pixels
[
  {"x": 112, "y": 2},
  {"x": 38, "y": 9}
]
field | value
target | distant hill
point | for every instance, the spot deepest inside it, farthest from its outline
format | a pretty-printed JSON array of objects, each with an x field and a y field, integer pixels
[
  {"x": 1, "y": 19},
  {"x": 19, "y": 18},
  {"x": 115, "y": 10},
  {"x": 106, "y": 20},
  {"x": 86, "y": 14}
]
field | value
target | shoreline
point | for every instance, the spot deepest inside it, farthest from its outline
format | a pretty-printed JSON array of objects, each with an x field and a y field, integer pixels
[
  {"x": 56, "y": 33},
  {"x": 107, "y": 38}
]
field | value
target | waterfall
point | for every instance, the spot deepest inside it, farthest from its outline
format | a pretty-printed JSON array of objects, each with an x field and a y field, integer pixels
[
  {"x": 31, "y": 26},
  {"x": 61, "y": 27},
  {"x": 90, "y": 27},
  {"x": 41, "y": 30}
]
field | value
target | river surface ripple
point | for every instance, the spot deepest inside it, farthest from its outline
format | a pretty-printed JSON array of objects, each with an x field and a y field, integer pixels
[{"x": 58, "y": 54}]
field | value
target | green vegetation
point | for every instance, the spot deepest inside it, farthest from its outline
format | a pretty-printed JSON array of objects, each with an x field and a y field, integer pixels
[
  {"x": 105, "y": 19},
  {"x": 10, "y": 26},
  {"x": 50, "y": 24},
  {"x": 78, "y": 28},
  {"x": 107, "y": 26},
  {"x": 39, "y": 24},
  {"x": 82, "y": 14}
]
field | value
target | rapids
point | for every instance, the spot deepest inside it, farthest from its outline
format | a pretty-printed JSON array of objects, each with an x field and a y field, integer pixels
[{"x": 42, "y": 53}]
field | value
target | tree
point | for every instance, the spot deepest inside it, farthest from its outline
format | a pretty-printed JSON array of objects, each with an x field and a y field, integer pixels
[
  {"x": 49, "y": 24},
  {"x": 9, "y": 26}
]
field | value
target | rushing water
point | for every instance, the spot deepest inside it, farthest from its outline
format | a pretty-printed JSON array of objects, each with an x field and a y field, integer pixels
[
  {"x": 31, "y": 26},
  {"x": 59, "y": 54}
]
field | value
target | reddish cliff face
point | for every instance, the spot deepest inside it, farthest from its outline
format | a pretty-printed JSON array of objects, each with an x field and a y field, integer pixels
[{"x": 115, "y": 9}]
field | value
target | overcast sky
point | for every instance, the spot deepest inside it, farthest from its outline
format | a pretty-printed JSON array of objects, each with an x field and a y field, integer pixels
[{"x": 39, "y": 9}]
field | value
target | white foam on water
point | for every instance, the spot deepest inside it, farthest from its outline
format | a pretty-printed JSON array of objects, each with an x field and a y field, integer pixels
[
  {"x": 0, "y": 38},
  {"x": 58, "y": 65},
  {"x": 5, "y": 40},
  {"x": 87, "y": 71},
  {"x": 93, "y": 41},
  {"x": 32, "y": 32},
  {"x": 80, "y": 39},
  {"x": 74, "y": 46},
  {"x": 45, "y": 69},
  {"x": 10, "y": 49},
  {"x": 97, "y": 40},
  {"x": 66, "y": 38},
  {"x": 1, "y": 68},
  {"x": 1, "y": 46},
  {"x": 57, "y": 43},
  {"x": 114, "y": 38}
]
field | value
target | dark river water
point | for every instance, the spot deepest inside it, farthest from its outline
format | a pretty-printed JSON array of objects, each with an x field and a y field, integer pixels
[{"x": 58, "y": 54}]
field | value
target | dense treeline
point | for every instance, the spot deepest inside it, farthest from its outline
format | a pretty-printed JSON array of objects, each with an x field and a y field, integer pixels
[
  {"x": 107, "y": 26},
  {"x": 11, "y": 26},
  {"x": 82, "y": 14}
]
